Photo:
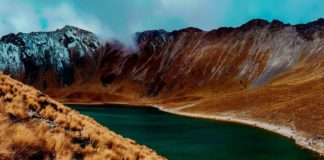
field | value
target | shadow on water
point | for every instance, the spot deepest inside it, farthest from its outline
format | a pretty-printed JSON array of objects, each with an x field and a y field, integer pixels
[{"x": 184, "y": 138}]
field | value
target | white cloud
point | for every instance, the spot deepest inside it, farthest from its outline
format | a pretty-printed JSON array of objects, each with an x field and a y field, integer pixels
[
  {"x": 198, "y": 13},
  {"x": 12, "y": 21},
  {"x": 66, "y": 15}
]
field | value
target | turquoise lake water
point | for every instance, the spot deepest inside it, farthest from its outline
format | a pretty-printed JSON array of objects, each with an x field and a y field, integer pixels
[{"x": 183, "y": 138}]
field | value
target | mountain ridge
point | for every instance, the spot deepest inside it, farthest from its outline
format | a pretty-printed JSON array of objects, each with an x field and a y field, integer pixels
[{"x": 69, "y": 49}]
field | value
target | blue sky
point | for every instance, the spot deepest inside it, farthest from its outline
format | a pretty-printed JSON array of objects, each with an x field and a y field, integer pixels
[{"x": 121, "y": 18}]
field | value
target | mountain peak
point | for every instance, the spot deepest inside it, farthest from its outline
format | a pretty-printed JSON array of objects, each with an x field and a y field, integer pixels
[
  {"x": 307, "y": 30},
  {"x": 160, "y": 35},
  {"x": 318, "y": 22},
  {"x": 190, "y": 29},
  {"x": 254, "y": 24},
  {"x": 277, "y": 22},
  {"x": 69, "y": 28}
]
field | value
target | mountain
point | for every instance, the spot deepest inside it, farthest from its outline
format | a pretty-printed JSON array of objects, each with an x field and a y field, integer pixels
[
  {"x": 34, "y": 126},
  {"x": 34, "y": 53},
  {"x": 177, "y": 62},
  {"x": 265, "y": 71}
]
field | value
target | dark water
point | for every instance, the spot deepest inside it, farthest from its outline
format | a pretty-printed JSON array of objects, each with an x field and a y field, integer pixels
[{"x": 183, "y": 138}]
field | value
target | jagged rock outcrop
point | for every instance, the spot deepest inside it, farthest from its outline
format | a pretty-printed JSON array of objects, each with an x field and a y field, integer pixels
[{"x": 29, "y": 56}]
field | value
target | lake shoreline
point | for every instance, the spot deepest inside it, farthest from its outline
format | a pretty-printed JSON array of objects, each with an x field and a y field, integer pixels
[{"x": 277, "y": 129}]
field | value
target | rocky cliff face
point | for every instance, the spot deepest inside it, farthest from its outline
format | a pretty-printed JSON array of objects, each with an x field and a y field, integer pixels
[
  {"x": 167, "y": 63},
  {"x": 29, "y": 56}
]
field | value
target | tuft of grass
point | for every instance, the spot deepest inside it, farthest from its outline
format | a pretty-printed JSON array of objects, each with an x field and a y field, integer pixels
[{"x": 34, "y": 126}]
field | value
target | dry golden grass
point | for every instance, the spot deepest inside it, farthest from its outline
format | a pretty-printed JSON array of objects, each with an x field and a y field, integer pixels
[{"x": 34, "y": 126}]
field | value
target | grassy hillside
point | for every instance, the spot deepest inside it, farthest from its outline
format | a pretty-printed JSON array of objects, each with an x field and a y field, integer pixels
[{"x": 34, "y": 126}]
